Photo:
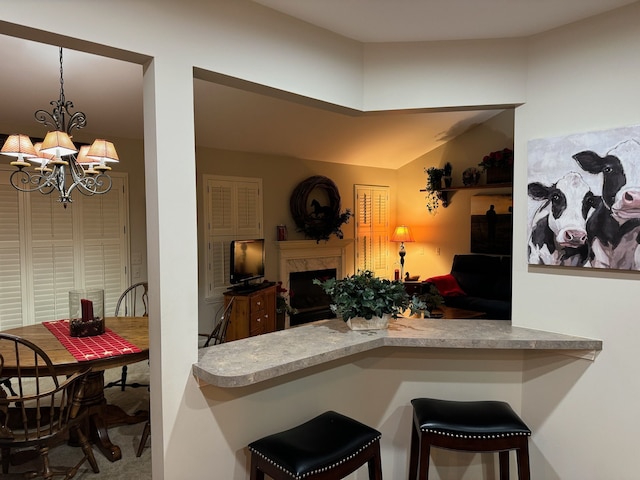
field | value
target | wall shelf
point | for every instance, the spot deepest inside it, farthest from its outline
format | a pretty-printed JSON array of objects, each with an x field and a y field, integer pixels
[{"x": 446, "y": 193}]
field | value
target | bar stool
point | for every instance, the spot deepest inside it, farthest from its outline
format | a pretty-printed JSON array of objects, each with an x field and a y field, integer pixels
[
  {"x": 327, "y": 447},
  {"x": 484, "y": 426}
]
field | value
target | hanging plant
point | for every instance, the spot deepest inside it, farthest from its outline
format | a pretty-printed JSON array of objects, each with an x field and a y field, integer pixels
[
  {"x": 315, "y": 207},
  {"x": 434, "y": 186}
]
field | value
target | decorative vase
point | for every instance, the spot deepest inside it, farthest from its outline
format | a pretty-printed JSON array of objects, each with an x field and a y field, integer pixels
[
  {"x": 499, "y": 175},
  {"x": 376, "y": 323}
]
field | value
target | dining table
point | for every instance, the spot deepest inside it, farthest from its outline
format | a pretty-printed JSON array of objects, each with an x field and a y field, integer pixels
[{"x": 132, "y": 336}]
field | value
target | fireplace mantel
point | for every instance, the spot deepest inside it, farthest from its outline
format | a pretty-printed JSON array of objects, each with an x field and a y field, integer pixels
[
  {"x": 305, "y": 255},
  {"x": 309, "y": 255}
]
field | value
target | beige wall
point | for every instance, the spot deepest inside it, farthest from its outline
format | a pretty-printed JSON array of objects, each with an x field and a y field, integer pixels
[
  {"x": 449, "y": 229},
  {"x": 581, "y": 78},
  {"x": 280, "y": 176}
]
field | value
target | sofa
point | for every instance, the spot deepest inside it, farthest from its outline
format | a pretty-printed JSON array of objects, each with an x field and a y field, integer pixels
[{"x": 481, "y": 283}]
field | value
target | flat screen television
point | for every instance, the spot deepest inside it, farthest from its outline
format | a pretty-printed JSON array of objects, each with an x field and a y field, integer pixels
[{"x": 247, "y": 261}]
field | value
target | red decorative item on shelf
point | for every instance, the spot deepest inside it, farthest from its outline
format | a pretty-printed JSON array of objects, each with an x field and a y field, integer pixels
[{"x": 499, "y": 166}]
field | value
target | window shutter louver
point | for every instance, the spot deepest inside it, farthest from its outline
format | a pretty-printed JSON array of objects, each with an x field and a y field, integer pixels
[
  {"x": 11, "y": 276},
  {"x": 59, "y": 249},
  {"x": 372, "y": 204},
  {"x": 233, "y": 211}
]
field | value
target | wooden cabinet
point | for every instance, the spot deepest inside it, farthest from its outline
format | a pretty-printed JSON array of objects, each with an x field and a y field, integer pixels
[{"x": 252, "y": 313}]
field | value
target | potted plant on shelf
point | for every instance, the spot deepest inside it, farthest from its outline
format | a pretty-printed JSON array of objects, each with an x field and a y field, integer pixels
[
  {"x": 498, "y": 165},
  {"x": 364, "y": 301},
  {"x": 434, "y": 187}
]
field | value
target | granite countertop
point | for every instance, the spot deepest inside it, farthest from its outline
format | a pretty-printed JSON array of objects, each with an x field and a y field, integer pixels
[{"x": 252, "y": 360}]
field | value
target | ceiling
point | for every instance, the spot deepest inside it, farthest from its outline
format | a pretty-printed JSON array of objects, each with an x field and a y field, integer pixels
[
  {"x": 110, "y": 91},
  {"x": 428, "y": 20}
]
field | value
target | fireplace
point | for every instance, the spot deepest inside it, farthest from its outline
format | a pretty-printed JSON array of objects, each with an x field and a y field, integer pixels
[
  {"x": 309, "y": 300},
  {"x": 307, "y": 257}
]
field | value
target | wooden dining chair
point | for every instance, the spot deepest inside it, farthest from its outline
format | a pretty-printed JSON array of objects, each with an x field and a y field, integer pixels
[
  {"x": 133, "y": 302},
  {"x": 45, "y": 412},
  {"x": 221, "y": 323}
]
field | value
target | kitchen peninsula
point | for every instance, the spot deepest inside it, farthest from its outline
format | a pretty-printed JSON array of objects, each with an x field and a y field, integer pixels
[
  {"x": 264, "y": 384},
  {"x": 252, "y": 360}
]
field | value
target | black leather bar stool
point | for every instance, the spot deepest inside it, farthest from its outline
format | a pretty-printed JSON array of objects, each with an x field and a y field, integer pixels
[
  {"x": 484, "y": 426},
  {"x": 327, "y": 447}
]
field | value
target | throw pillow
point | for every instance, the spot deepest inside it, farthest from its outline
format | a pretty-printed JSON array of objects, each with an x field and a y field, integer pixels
[{"x": 447, "y": 285}]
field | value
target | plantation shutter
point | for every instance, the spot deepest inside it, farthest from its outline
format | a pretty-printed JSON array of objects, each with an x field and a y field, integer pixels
[
  {"x": 52, "y": 255},
  {"x": 248, "y": 202},
  {"x": 104, "y": 259},
  {"x": 372, "y": 227},
  {"x": 47, "y": 250},
  {"x": 221, "y": 207},
  {"x": 11, "y": 249},
  {"x": 233, "y": 211}
]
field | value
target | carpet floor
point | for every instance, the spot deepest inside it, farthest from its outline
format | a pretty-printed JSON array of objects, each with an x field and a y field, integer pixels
[{"x": 127, "y": 437}]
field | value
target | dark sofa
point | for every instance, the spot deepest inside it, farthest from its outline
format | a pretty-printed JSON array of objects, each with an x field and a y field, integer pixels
[{"x": 480, "y": 283}]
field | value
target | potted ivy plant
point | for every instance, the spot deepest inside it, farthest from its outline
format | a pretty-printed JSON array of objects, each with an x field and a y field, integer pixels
[
  {"x": 364, "y": 301},
  {"x": 427, "y": 301},
  {"x": 434, "y": 188}
]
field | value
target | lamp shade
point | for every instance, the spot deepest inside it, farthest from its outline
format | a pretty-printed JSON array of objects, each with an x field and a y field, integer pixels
[
  {"x": 41, "y": 156},
  {"x": 82, "y": 157},
  {"x": 18, "y": 145},
  {"x": 58, "y": 143},
  {"x": 402, "y": 234},
  {"x": 103, "y": 151}
]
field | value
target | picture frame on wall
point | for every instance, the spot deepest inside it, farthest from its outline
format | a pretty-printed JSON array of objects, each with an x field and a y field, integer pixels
[{"x": 584, "y": 200}]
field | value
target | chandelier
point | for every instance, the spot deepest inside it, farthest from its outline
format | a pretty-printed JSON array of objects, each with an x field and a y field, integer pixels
[{"x": 61, "y": 166}]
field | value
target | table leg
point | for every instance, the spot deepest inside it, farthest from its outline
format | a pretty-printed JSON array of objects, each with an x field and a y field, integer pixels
[{"x": 102, "y": 416}]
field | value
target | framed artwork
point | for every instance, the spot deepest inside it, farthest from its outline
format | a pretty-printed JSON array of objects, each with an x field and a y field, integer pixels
[
  {"x": 492, "y": 224},
  {"x": 584, "y": 200}
]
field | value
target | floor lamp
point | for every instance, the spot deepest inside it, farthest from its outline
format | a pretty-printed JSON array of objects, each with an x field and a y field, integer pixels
[{"x": 402, "y": 234}]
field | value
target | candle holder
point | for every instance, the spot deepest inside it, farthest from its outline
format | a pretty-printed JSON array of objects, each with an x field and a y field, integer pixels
[{"x": 86, "y": 312}]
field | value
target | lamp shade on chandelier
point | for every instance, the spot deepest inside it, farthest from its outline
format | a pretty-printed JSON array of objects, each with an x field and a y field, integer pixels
[{"x": 62, "y": 167}]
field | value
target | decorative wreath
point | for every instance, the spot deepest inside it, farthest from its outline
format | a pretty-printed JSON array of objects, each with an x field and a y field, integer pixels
[{"x": 315, "y": 220}]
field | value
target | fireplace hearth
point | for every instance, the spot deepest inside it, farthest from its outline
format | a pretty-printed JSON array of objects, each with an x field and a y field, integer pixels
[
  {"x": 298, "y": 256},
  {"x": 309, "y": 300}
]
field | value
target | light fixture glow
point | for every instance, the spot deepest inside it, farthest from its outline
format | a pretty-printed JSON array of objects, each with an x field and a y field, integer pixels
[
  {"x": 60, "y": 168},
  {"x": 402, "y": 234}
]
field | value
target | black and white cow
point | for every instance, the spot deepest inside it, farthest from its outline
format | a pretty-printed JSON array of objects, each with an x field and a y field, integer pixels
[
  {"x": 614, "y": 227},
  {"x": 559, "y": 226}
]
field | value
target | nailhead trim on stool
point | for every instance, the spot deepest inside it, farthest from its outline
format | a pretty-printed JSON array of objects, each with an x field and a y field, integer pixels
[
  {"x": 481, "y": 426},
  {"x": 329, "y": 446}
]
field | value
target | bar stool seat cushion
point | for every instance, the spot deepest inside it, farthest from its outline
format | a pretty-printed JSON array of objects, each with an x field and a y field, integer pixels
[
  {"x": 475, "y": 419},
  {"x": 317, "y": 445}
]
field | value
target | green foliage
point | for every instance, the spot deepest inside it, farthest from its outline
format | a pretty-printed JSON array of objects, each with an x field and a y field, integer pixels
[
  {"x": 427, "y": 302},
  {"x": 434, "y": 185},
  {"x": 364, "y": 295},
  {"x": 322, "y": 228}
]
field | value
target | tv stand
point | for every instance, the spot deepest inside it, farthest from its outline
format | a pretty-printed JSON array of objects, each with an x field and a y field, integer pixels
[
  {"x": 245, "y": 288},
  {"x": 253, "y": 312}
]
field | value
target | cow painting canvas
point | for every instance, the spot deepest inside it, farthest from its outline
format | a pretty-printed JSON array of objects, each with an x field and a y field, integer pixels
[{"x": 584, "y": 200}]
